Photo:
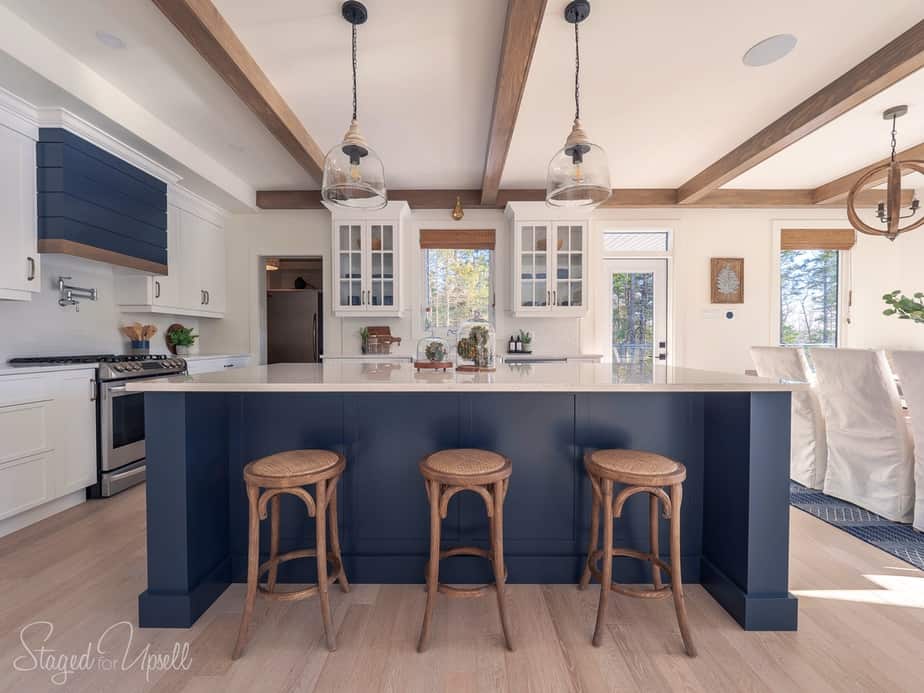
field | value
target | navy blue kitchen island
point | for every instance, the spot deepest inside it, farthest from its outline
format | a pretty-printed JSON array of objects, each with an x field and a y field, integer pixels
[{"x": 731, "y": 432}]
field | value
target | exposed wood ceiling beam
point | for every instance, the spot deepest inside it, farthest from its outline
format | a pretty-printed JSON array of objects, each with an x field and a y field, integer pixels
[
  {"x": 624, "y": 198},
  {"x": 837, "y": 189},
  {"x": 208, "y": 32},
  {"x": 524, "y": 17},
  {"x": 885, "y": 67}
]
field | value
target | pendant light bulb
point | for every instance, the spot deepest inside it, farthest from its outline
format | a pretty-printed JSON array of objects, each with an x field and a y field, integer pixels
[
  {"x": 578, "y": 174},
  {"x": 353, "y": 173}
]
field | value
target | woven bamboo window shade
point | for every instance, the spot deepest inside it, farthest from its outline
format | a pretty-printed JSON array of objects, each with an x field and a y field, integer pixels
[
  {"x": 457, "y": 239},
  {"x": 817, "y": 239}
]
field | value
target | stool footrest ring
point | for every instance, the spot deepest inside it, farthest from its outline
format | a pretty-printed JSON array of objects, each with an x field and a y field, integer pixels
[
  {"x": 638, "y": 555},
  {"x": 465, "y": 592},
  {"x": 309, "y": 591}
]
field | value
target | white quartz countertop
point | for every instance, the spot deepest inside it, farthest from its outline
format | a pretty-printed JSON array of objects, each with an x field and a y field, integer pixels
[
  {"x": 351, "y": 376},
  {"x": 24, "y": 370}
]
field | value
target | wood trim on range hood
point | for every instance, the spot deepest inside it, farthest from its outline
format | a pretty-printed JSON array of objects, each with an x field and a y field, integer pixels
[{"x": 89, "y": 252}]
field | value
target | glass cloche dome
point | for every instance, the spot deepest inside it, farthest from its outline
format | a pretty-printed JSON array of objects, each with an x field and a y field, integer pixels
[
  {"x": 433, "y": 352},
  {"x": 476, "y": 346}
]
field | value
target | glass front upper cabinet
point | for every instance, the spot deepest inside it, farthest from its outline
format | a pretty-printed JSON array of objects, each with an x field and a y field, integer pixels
[
  {"x": 366, "y": 263},
  {"x": 550, "y": 268}
]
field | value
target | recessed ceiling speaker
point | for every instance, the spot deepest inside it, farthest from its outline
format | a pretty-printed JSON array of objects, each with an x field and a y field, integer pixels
[{"x": 769, "y": 50}]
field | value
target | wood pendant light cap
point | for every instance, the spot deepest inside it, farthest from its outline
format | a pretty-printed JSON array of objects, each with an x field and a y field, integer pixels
[
  {"x": 577, "y": 136},
  {"x": 354, "y": 136}
]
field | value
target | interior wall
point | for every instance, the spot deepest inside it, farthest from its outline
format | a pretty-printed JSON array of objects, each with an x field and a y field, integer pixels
[
  {"x": 41, "y": 327},
  {"x": 700, "y": 340}
]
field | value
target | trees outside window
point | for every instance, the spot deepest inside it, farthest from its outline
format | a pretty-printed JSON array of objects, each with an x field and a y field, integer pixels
[
  {"x": 458, "y": 285},
  {"x": 809, "y": 297},
  {"x": 633, "y": 317}
]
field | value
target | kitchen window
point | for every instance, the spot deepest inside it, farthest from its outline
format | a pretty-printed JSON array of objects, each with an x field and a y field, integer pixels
[
  {"x": 458, "y": 273},
  {"x": 811, "y": 284}
]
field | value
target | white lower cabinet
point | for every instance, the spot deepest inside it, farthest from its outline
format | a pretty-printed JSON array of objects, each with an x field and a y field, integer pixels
[
  {"x": 73, "y": 431},
  {"x": 47, "y": 437}
]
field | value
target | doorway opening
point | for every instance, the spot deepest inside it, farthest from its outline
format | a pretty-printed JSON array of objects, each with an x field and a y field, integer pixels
[{"x": 294, "y": 310}]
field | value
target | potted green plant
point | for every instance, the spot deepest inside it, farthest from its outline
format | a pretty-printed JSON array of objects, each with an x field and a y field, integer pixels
[
  {"x": 905, "y": 308},
  {"x": 183, "y": 338},
  {"x": 526, "y": 339}
]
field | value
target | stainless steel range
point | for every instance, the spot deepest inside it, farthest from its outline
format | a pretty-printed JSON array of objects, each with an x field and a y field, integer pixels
[{"x": 119, "y": 414}]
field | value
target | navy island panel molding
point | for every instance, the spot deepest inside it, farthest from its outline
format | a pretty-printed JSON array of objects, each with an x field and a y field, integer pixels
[
  {"x": 735, "y": 510},
  {"x": 94, "y": 205}
]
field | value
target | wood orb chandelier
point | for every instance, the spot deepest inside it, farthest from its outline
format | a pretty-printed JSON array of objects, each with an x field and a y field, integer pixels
[{"x": 889, "y": 212}]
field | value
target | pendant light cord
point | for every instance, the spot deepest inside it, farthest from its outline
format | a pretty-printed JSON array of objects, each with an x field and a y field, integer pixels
[
  {"x": 577, "y": 74},
  {"x": 354, "y": 72}
]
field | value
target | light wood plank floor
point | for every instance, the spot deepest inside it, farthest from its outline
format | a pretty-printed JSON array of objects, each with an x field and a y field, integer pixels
[{"x": 861, "y": 627}]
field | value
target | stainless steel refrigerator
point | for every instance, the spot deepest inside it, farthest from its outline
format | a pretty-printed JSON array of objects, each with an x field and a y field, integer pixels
[{"x": 294, "y": 330}]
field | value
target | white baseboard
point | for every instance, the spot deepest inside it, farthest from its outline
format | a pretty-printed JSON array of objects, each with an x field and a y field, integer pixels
[{"x": 33, "y": 515}]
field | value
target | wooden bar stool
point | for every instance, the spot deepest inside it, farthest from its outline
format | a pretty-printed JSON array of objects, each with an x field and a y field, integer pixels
[
  {"x": 640, "y": 472},
  {"x": 288, "y": 472},
  {"x": 446, "y": 473}
]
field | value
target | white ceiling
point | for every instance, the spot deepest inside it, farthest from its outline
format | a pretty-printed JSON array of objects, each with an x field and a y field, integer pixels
[
  {"x": 856, "y": 139},
  {"x": 426, "y": 78},
  {"x": 664, "y": 89},
  {"x": 166, "y": 76}
]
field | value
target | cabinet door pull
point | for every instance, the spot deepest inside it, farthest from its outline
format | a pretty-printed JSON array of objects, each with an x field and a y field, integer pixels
[
  {"x": 207, "y": 297},
  {"x": 31, "y": 275},
  {"x": 156, "y": 289},
  {"x": 92, "y": 390},
  {"x": 554, "y": 297},
  {"x": 201, "y": 297}
]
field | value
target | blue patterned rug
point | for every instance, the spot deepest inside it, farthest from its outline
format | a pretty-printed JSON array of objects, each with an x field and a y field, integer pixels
[{"x": 899, "y": 540}]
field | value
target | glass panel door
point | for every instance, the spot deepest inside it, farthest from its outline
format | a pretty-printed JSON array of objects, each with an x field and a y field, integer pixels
[
  {"x": 382, "y": 277},
  {"x": 534, "y": 253},
  {"x": 569, "y": 265},
  {"x": 636, "y": 312},
  {"x": 350, "y": 272}
]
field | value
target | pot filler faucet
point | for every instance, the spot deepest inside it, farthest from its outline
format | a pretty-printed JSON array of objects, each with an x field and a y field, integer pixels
[{"x": 69, "y": 295}]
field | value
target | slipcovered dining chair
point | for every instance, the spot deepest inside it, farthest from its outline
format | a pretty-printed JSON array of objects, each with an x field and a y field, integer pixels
[
  {"x": 808, "y": 454},
  {"x": 870, "y": 453},
  {"x": 909, "y": 367}
]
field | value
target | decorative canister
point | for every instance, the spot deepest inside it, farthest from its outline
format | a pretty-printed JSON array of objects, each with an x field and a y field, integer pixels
[{"x": 476, "y": 346}]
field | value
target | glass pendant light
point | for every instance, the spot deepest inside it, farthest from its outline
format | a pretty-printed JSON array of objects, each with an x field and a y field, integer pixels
[
  {"x": 353, "y": 173},
  {"x": 579, "y": 174}
]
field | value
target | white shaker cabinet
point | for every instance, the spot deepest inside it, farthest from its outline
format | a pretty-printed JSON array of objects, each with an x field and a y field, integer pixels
[
  {"x": 195, "y": 284},
  {"x": 20, "y": 276},
  {"x": 73, "y": 419},
  {"x": 366, "y": 260},
  {"x": 47, "y": 439},
  {"x": 549, "y": 256}
]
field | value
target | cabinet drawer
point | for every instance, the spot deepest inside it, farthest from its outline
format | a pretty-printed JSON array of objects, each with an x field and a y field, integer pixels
[
  {"x": 23, "y": 484},
  {"x": 23, "y": 430},
  {"x": 23, "y": 389}
]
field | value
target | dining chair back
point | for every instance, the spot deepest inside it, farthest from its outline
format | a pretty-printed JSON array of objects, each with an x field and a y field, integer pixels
[
  {"x": 909, "y": 367},
  {"x": 870, "y": 453},
  {"x": 808, "y": 451}
]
